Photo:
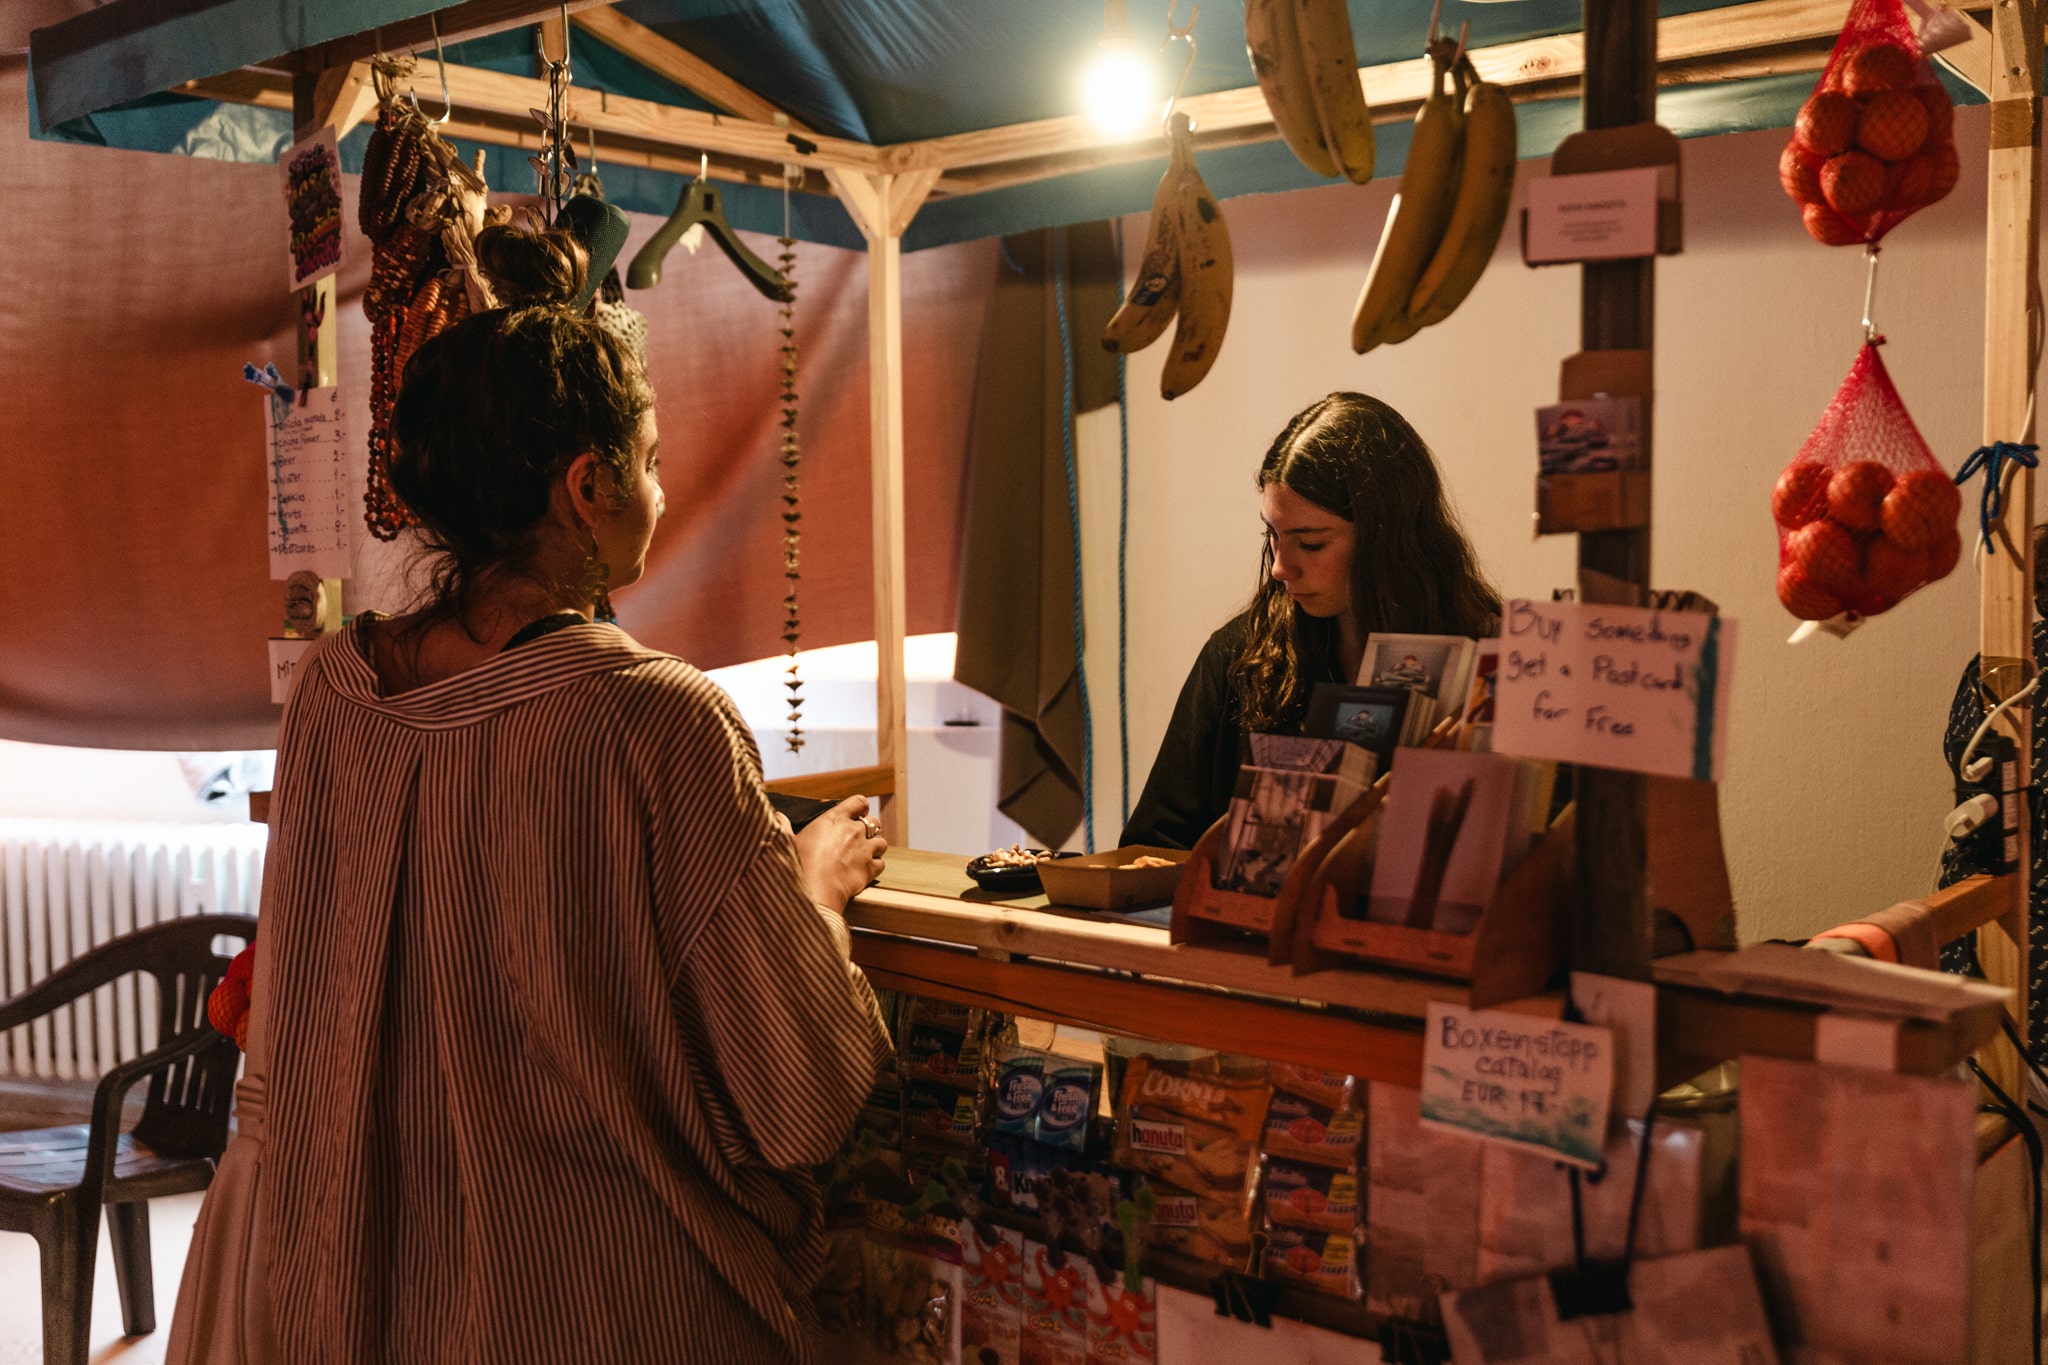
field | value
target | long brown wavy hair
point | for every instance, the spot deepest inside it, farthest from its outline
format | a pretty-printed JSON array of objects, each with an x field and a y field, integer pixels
[{"x": 1412, "y": 571}]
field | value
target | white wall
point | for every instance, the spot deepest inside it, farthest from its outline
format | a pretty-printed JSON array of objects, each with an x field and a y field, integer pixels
[{"x": 1835, "y": 780}]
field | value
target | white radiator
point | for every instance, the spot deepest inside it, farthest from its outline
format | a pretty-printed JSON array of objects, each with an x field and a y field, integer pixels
[{"x": 68, "y": 885}]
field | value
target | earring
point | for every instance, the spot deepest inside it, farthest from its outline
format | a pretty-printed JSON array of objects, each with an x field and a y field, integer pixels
[{"x": 596, "y": 581}]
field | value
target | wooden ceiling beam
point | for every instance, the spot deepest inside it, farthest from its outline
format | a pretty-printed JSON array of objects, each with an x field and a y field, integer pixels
[
  {"x": 456, "y": 23},
  {"x": 676, "y": 63}
]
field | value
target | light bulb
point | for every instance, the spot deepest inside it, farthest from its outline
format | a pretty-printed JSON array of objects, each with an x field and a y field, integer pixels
[{"x": 1119, "y": 87}]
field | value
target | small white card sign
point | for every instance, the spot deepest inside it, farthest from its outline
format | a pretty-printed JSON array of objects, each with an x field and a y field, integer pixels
[
  {"x": 285, "y": 654},
  {"x": 1617, "y": 687},
  {"x": 309, "y": 485},
  {"x": 1539, "y": 1084},
  {"x": 1596, "y": 216}
]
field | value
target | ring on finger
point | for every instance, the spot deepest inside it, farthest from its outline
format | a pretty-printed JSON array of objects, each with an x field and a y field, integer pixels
[{"x": 874, "y": 831}]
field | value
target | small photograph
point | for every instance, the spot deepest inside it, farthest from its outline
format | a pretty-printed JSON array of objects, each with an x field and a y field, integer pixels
[
  {"x": 1408, "y": 661},
  {"x": 1588, "y": 436}
]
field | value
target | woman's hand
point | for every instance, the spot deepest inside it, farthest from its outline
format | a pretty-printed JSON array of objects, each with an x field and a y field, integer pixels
[{"x": 838, "y": 857}]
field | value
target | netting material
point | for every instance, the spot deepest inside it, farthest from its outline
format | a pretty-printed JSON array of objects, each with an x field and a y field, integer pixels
[
  {"x": 1866, "y": 515},
  {"x": 1874, "y": 143}
]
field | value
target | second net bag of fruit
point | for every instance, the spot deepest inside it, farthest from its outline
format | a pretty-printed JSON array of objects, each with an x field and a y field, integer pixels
[
  {"x": 1875, "y": 142},
  {"x": 1865, "y": 512}
]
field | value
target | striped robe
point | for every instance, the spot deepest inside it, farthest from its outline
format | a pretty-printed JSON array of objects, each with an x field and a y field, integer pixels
[{"x": 554, "y": 1033}]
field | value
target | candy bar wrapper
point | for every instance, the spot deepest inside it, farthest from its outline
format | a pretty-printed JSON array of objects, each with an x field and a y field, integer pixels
[
  {"x": 911, "y": 1303},
  {"x": 992, "y": 1297},
  {"x": 1323, "y": 1261},
  {"x": 1310, "y": 1197},
  {"x": 1055, "y": 1330},
  {"x": 1304, "y": 1130},
  {"x": 1123, "y": 1326},
  {"x": 1197, "y": 1132},
  {"x": 1210, "y": 1226},
  {"x": 1331, "y": 1089},
  {"x": 1067, "y": 1104},
  {"x": 1421, "y": 1207}
]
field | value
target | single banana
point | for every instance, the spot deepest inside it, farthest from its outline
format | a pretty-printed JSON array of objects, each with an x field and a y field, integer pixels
[
  {"x": 1155, "y": 293},
  {"x": 1275, "y": 50},
  {"x": 1324, "y": 28},
  {"x": 1415, "y": 220},
  {"x": 1486, "y": 183},
  {"x": 1205, "y": 275}
]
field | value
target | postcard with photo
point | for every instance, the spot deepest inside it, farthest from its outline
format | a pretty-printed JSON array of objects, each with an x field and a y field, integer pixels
[
  {"x": 1589, "y": 435},
  {"x": 1438, "y": 664},
  {"x": 1373, "y": 718},
  {"x": 1443, "y": 840},
  {"x": 1479, "y": 697},
  {"x": 1286, "y": 797}
]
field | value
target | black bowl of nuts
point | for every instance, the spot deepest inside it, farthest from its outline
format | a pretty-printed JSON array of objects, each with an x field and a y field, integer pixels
[{"x": 1011, "y": 871}]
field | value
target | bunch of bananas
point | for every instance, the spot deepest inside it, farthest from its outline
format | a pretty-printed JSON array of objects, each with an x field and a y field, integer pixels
[
  {"x": 1443, "y": 225},
  {"x": 1308, "y": 71},
  {"x": 1186, "y": 272}
]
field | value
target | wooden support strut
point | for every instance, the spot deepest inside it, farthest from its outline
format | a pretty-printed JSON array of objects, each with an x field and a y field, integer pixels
[{"x": 341, "y": 97}]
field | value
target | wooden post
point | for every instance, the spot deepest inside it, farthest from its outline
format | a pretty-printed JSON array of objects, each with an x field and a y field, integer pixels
[
  {"x": 319, "y": 98},
  {"x": 883, "y": 205},
  {"x": 1611, "y": 926},
  {"x": 2011, "y": 258}
]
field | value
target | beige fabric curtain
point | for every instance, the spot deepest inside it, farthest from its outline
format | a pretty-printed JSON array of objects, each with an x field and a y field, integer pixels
[{"x": 135, "y": 596}]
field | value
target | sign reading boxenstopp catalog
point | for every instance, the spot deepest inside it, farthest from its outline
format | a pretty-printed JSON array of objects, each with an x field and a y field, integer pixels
[
  {"x": 1540, "y": 1084},
  {"x": 1617, "y": 687}
]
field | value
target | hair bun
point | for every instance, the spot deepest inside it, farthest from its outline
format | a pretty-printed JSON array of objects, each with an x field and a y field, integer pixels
[{"x": 528, "y": 268}]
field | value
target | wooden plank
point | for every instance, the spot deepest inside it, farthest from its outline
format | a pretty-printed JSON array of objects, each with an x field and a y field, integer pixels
[
  {"x": 907, "y": 193},
  {"x": 838, "y": 784},
  {"x": 885, "y": 481},
  {"x": 343, "y": 97},
  {"x": 1697, "y": 1028},
  {"x": 2011, "y": 263},
  {"x": 457, "y": 23},
  {"x": 1971, "y": 61},
  {"x": 682, "y": 66},
  {"x": 1092, "y": 999}
]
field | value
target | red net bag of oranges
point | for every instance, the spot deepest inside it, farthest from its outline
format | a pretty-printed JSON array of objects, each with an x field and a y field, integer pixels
[
  {"x": 1875, "y": 142},
  {"x": 1865, "y": 513}
]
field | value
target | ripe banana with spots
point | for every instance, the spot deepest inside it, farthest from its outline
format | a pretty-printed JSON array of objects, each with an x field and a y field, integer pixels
[
  {"x": 1206, "y": 273},
  {"x": 1271, "y": 40},
  {"x": 1415, "y": 220},
  {"x": 1155, "y": 293},
  {"x": 1324, "y": 29},
  {"x": 1486, "y": 183}
]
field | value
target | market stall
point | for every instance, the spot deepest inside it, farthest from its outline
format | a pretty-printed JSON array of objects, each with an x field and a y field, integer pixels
[{"x": 1352, "y": 1025}]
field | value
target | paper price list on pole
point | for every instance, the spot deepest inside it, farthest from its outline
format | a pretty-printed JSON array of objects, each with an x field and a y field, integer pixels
[{"x": 309, "y": 487}]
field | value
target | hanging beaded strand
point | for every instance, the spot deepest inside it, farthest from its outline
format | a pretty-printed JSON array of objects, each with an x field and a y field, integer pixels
[{"x": 792, "y": 510}]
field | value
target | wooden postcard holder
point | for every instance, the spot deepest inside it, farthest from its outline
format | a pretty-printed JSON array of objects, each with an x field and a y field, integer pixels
[
  {"x": 1514, "y": 951},
  {"x": 1204, "y": 914},
  {"x": 1619, "y": 498}
]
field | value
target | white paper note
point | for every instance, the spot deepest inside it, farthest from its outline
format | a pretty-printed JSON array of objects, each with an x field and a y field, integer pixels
[
  {"x": 1539, "y": 1084},
  {"x": 309, "y": 486}
]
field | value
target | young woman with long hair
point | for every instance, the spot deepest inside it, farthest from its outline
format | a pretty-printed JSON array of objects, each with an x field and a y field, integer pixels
[{"x": 1359, "y": 539}]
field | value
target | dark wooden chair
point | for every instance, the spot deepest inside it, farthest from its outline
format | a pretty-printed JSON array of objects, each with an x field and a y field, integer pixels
[{"x": 54, "y": 1181}]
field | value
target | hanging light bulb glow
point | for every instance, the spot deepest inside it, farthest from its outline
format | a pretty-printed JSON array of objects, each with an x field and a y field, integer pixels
[{"x": 1120, "y": 83}]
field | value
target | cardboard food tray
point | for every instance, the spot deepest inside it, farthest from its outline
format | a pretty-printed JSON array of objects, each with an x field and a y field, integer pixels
[{"x": 1099, "y": 881}]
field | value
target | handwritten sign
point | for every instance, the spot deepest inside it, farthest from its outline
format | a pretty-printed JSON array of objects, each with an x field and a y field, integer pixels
[
  {"x": 1617, "y": 687},
  {"x": 312, "y": 202},
  {"x": 1598, "y": 216},
  {"x": 285, "y": 654},
  {"x": 1539, "y": 1084},
  {"x": 309, "y": 485}
]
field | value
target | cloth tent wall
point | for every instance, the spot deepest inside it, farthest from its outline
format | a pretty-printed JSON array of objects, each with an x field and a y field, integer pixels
[{"x": 134, "y": 591}]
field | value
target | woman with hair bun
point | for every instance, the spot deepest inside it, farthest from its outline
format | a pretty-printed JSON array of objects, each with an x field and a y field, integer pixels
[
  {"x": 1359, "y": 539},
  {"x": 553, "y": 1016}
]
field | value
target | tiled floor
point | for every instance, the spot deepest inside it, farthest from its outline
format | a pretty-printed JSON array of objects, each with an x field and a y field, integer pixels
[{"x": 21, "y": 1312}]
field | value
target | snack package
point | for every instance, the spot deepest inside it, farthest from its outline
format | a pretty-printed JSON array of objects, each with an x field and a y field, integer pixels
[
  {"x": 1421, "y": 1207},
  {"x": 1123, "y": 1325},
  {"x": 1197, "y": 1132},
  {"x": 1019, "y": 1085},
  {"x": 1303, "y": 1129},
  {"x": 1209, "y": 1225},
  {"x": 1055, "y": 1330},
  {"x": 910, "y": 1297},
  {"x": 1067, "y": 1104},
  {"x": 943, "y": 1056},
  {"x": 1331, "y": 1089},
  {"x": 1866, "y": 515},
  {"x": 991, "y": 1296},
  {"x": 1323, "y": 1261},
  {"x": 842, "y": 1284},
  {"x": 938, "y": 1114},
  {"x": 1875, "y": 142},
  {"x": 1311, "y": 1197}
]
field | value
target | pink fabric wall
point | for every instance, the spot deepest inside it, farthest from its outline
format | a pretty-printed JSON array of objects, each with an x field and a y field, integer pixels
[{"x": 135, "y": 595}]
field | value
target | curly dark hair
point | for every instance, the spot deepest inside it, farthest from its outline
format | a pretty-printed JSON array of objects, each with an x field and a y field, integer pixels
[
  {"x": 492, "y": 411},
  {"x": 1412, "y": 570}
]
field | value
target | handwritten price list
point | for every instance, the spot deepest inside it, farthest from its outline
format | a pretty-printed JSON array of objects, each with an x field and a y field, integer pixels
[{"x": 309, "y": 487}]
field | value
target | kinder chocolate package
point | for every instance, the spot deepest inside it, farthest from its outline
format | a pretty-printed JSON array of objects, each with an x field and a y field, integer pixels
[{"x": 1310, "y": 1197}]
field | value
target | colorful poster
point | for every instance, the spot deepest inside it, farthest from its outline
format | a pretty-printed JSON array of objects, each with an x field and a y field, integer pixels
[{"x": 312, "y": 201}]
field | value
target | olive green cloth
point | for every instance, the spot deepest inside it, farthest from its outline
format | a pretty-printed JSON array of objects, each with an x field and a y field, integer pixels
[{"x": 1016, "y": 621}]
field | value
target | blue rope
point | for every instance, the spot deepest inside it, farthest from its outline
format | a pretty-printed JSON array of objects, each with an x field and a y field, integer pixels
[
  {"x": 1123, "y": 540},
  {"x": 1991, "y": 461},
  {"x": 1059, "y": 296}
]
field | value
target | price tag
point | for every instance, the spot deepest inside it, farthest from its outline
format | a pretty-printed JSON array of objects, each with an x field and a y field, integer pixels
[
  {"x": 1539, "y": 1084},
  {"x": 1617, "y": 687}
]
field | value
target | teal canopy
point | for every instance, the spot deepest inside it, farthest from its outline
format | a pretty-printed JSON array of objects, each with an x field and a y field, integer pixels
[{"x": 875, "y": 71}]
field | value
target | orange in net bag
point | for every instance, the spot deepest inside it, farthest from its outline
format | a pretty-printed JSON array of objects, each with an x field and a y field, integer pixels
[
  {"x": 1865, "y": 513},
  {"x": 1875, "y": 142}
]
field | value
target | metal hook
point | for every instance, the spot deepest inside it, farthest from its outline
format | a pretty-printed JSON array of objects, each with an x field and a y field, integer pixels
[
  {"x": 1185, "y": 34},
  {"x": 440, "y": 66},
  {"x": 1870, "y": 294}
]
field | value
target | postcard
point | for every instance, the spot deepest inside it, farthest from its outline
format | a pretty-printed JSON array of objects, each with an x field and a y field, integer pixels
[{"x": 1438, "y": 664}]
